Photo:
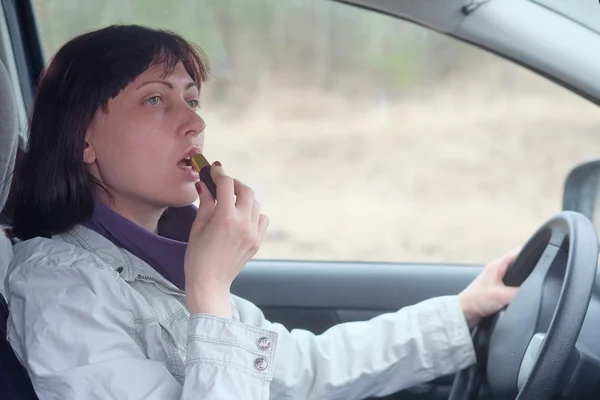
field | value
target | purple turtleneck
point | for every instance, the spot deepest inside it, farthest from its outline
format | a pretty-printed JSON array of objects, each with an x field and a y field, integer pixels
[{"x": 164, "y": 251}]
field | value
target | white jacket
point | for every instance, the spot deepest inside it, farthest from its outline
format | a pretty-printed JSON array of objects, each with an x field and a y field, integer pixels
[{"x": 89, "y": 320}]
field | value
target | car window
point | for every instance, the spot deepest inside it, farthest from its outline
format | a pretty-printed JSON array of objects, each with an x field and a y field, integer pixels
[{"x": 367, "y": 138}]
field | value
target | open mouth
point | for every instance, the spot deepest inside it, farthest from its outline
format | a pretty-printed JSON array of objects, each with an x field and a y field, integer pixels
[{"x": 185, "y": 162}]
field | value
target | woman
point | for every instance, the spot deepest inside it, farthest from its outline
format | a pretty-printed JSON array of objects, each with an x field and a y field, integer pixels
[{"x": 120, "y": 288}]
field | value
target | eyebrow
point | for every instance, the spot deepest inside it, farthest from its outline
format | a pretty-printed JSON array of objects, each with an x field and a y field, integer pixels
[{"x": 169, "y": 84}]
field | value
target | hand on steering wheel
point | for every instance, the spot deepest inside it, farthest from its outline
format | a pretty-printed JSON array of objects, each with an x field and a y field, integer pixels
[
  {"x": 488, "y": 294},
  {"x": 527, "y": 351}
]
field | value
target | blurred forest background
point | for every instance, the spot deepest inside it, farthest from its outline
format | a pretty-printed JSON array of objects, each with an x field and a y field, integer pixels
[{"x": 366, "y": 137}]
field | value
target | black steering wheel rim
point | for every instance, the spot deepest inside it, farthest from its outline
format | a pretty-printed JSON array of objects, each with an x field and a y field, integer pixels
[{"x": 565, "y": 248}]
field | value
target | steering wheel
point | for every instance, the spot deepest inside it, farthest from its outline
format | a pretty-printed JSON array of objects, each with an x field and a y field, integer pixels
[{"x": 526, "y": 351}]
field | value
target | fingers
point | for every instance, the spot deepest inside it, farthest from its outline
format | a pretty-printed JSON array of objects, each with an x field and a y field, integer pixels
[
  {"x": 263, "y": 224},
  {"x": 247, "y": 204},
  {"x": 507, "y": 260},
  {"x": 245, "y": 201},
  {"x": 513, "y": 253},
  {"x": 225, "y": 185},
  {"x": 496, "y": 269},
  {"x": 233, "y": 194},
  {"x": 254, "y": 218},
  {"x": 259, "y": 222},
  {"x": 206, "y": 207}
]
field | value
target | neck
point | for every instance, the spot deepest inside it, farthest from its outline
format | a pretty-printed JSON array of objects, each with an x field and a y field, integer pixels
[{"x": 138, "y": 212}]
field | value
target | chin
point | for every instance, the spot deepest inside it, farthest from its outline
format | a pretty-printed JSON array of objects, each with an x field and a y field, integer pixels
[
  {"x": 174, "y": 195},
  {"x": 183, "y": 198}
]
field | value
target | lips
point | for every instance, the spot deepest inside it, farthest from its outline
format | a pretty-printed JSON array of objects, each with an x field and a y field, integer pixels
[{"x": 186, "y": 159}]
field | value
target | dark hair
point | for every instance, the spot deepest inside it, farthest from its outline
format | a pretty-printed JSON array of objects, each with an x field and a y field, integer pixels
[{"x": 54, "y": 190}]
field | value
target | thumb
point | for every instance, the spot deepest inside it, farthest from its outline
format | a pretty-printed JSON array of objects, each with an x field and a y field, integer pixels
[
  {"x": 506, "y": 261},
  {"x": 206, "y": 208},
  {"x": 507, "y": 293}
]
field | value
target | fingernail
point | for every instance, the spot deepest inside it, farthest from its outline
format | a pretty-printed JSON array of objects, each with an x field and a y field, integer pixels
[
  {"x": 199, "y": 187},
  {"x": 217, "y": 163}
]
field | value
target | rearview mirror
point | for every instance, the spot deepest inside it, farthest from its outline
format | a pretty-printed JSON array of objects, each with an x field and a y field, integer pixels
[{"x": 581, "y": 191}]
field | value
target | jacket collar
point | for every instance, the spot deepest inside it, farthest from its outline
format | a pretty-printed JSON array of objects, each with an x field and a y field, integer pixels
[{"x": 126, "y": 264}]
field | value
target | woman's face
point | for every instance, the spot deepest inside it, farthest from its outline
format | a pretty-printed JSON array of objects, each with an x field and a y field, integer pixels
[{"x": 136, "y": 148}]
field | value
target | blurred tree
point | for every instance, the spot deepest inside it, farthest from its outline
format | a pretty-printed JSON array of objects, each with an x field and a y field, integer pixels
[{"x": 252, "y": 43}]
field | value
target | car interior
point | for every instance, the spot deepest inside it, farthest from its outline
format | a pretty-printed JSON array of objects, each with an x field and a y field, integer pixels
[
  {"x": 14, "y": 383},
  {"x": 316, "y": 295}
]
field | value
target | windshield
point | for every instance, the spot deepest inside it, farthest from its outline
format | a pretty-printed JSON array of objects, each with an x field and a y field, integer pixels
[
  {"x": 365, "y": 137},
  {"x": 586, "y": 12}
]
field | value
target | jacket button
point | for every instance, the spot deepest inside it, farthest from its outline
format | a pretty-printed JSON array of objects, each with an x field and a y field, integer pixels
[
  {"x": 261, "y": 363},
  {"x": 264, "y": 343}
]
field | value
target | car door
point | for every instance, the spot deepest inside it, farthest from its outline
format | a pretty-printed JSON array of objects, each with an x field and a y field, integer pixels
[{"x": 393, "y": 158}]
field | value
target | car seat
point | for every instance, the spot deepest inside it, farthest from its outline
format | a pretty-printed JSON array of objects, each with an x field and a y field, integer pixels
[{"x": 14, "y": 381}]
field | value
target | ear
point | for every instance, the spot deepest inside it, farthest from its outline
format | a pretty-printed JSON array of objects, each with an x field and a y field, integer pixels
[{"x": 89, "y": 155}]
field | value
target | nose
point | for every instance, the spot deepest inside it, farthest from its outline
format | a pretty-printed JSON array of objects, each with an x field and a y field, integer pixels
[{"x": 194, "y": 124}]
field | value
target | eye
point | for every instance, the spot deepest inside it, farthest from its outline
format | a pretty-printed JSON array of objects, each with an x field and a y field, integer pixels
[
  {"x": 194, "y": 104},
  {"x": 154, "y": 100}
]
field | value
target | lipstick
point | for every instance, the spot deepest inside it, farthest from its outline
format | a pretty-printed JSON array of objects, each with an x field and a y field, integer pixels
[{"x": 200, "y": 164}]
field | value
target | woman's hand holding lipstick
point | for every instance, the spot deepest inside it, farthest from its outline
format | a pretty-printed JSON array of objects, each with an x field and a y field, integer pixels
[{"x": 225, "y": 235}]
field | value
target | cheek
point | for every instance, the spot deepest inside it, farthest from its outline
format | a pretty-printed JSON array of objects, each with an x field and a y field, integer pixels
[
  {"x": 131, "y": 152},
  {"x": 137, "y": 153},
  {"x": 116, "y": 148},
  {"x": 136, "y": 135}
]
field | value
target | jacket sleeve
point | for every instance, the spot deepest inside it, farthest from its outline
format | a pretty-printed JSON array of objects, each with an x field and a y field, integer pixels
[
  {"x": 72, "y": 329},
  {"x": 379, "y": 357}
]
